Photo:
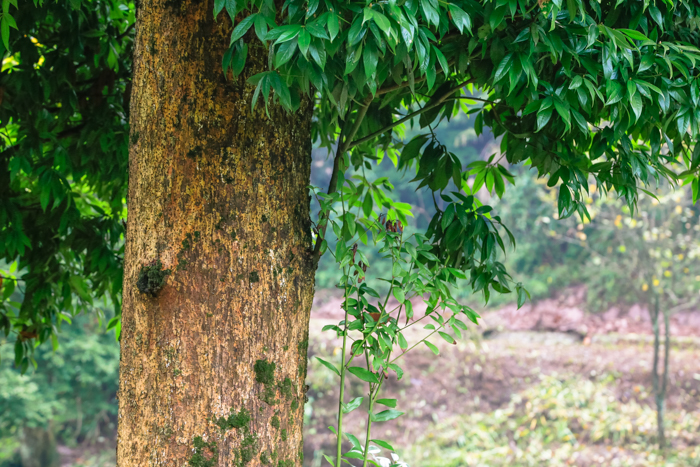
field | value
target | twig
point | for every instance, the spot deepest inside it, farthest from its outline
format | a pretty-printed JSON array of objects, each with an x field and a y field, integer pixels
[
  {"x": 11, "y": 279},
  {"x": 343, "y": 146},
  {"x": 126, "y": 31},
  {"x": 411, "y": 115}
]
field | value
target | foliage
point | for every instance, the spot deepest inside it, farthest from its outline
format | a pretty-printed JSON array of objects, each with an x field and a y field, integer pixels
[
  {"x": 621, "y": 258},
  {"x": 628, "y": 62},
  {"x": 377, "y": 325},
  {"x": 599, "y": 91},
  {"x": 72, "y": 393},
  {"x": 603, "y": 91},
  {"x": 557, "y": 422},
  {"x": 64, "y": 91}
]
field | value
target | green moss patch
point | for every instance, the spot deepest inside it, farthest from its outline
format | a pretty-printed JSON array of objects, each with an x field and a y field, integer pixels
[
  {"x": 287, "y": 388},
  {"x": 265, "y": 372},
  {"x": 152, "y": 278},
  {"x": 205, "y": 454},
  {"x": 248, "y": 449},
  {"x": 234, "y": 420}
]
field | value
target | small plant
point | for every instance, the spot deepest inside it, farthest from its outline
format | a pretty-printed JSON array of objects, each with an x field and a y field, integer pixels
[{"x": 460, "y": 245}]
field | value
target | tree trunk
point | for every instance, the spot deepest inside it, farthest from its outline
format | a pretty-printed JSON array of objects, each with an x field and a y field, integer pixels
[
  {"x": 218, "y": 280},
  {"x": 38, "y": 447}
]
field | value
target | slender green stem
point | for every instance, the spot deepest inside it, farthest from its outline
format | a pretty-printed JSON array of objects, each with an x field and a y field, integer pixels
[
  {"x": 655, "y": 375},
  {"x": 365, "y": 454},
  {"x": 378, "y": 387},
  {"x": 372, "y": 397},
  {"x": 386, "y": 300},
  {"x": 342, "y": 389},
  {"x": 341, "y": 396},
  {"x": 413, "y": 346}
]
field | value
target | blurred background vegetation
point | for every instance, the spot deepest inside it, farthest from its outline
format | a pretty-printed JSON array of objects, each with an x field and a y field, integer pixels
[{"x": 63, "y": 412}]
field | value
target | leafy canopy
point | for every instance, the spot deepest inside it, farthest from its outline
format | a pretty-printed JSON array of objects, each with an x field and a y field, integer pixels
[
  {"x": 602, "y": 91},
  {"x": 577, "y": 89}
]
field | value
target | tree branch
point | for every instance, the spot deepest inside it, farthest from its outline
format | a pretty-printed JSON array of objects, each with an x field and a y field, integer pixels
[
  {"x": 411, "y": 115},
  {"x": 343, "y": 146},
  {"x": 126, "y": 31},
  {"x": 403, "y": 84}
]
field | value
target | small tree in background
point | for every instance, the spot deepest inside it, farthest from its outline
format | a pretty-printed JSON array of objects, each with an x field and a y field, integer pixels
[{"x": 652, "y": 257}]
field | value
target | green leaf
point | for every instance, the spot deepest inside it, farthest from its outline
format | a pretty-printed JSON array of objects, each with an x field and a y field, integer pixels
[
  {"x": 636, "y": 103},
  {"x": 503, "y": 68},
  {"x": 523, "y": 295},
  {"x": 311, "y": 8},
  {"x": 243, "y": 27},
  {"x": 284, "y": 33},
  {"x": 432, "y": 347},
  {"x": 304, "y": 41},
  {"x": 471, "y": 314},
  {"x": 399, "y": 294},
  {"x": 352, "y": 405},
  {"x": 412, "y": 149},
  {"x": 285, "y": 52},
  {"x": 431, "y": 14},
  {"x": 382, "y": 21},
  {"x": 329, "y": 365},
  {"x": 367, "y": 205},
  {"x": 5, "y": 30},
  {"x": 397, "y": 369},
  {"x": 447, "y": 337},
  {"x": 543, "y": 117},
  {"x": 281, "y": 89},
  {"x": 370, "y": 59},
  {"x": 354, "y": 455},
  {"x": 460, "y": 18},
  {"x": 383, "y": 444},
  {"x": 636, "y": 35},
  {"x": 563, "y": 111},
  {"x": 576, "y": 82},
  {"x": 385, "y": 415},
  {"x": 333, "y": 23},
  {"x": 457, "y": 273},
  {"x": 364, "y": 374},
  {"x": 388, "y": 402},
  {"x": 442, "y": 61},
  {"x": 238, "y": 60},
  {"x": 218, "y": 6}
]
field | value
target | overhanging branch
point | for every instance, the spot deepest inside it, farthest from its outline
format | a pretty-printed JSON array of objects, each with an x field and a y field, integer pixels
[
  {"x": 408, "y": 117},
  {"x": 343, "y": 146}
]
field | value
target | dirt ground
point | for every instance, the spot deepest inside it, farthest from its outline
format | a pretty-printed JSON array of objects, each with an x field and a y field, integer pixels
[{"x": 506, "y": 354}]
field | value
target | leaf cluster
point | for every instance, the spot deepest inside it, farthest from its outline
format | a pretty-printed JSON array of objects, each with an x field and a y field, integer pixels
[{"x": 64, "y": 89}]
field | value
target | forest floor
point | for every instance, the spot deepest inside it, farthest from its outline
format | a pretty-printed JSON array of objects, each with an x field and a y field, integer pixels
[{"x": 545, "y": 386}]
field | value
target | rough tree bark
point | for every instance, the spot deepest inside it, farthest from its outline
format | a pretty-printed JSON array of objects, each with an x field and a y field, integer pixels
[{"x": 218, "y": 280}]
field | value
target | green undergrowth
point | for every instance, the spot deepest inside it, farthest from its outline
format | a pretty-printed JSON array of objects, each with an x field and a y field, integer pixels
[{"x": 556, "y": 423}]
